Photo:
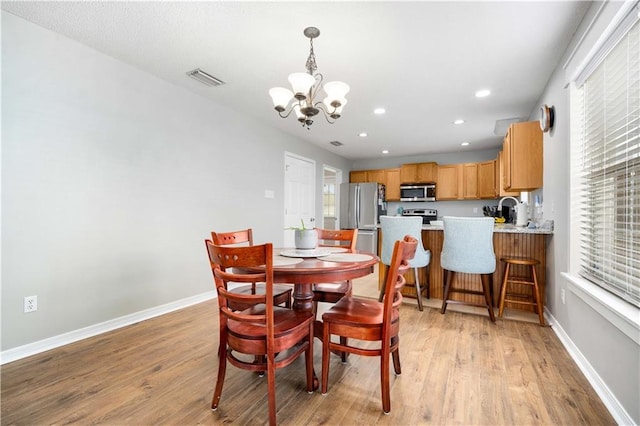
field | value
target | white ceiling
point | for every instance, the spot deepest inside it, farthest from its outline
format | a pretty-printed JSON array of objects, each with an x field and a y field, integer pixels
[{"x": 422, "y": 61}]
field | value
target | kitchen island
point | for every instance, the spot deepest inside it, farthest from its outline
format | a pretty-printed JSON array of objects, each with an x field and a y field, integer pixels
[{"x": 508, "y": 240}]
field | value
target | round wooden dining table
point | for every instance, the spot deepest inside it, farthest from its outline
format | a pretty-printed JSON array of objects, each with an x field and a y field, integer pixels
[{"x": 310, "y": 270}]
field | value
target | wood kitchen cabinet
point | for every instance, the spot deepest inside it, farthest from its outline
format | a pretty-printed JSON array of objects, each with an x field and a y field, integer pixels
[
  {"x": 418, "y": 173},
  {"x": 388, "y": 177},
  {"x": 392, "y": 184},
  {"x": 522, "y": 155},
  {"x": 470, "y": 181},
  {"x": 487, "y": 179},
  {"x": 365, "y": 176},
  {"x": 500, "y": 177},
  {"x": 449, "y": 182},
  {"x": 378, "y": 176},
  {"x": 358, "y": 176}
]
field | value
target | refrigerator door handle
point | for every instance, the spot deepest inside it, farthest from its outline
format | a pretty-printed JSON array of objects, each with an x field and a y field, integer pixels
[{"x": 357, "y": 206}]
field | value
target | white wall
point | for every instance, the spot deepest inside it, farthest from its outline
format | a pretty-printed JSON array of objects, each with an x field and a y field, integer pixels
[
  {"x": 609, "y": 357},
  {"x": 112, "y": 178}
]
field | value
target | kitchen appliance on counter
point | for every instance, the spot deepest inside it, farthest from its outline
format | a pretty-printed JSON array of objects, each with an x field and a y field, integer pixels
[
  {"x": 361, "y": 205},
  {"x": 427, "y": 214},
  {"x": 418, "y": 192}
]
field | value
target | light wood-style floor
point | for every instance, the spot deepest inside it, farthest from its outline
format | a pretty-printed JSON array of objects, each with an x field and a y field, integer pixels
[{"x": 457, "y": 369}]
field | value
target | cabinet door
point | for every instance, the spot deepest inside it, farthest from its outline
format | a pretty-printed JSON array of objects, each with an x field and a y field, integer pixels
[
  {"x": 359, "y": 176},
  {"x": 470, "y": 181},
  {"x": 376, "y": 176},
  {"x": 447, "y": 185},
  {"x": 408, "y": 173},
  {"x": 487, "y": 179},
  {"x": 522, "y": 149},
  {"x": 426, "y": 172},
  {"x": 500, "y": 178},
  {"x": 393, "y": 185},
  {"x": 526, "y": 156},
  {"x": 506, "y": 149}
]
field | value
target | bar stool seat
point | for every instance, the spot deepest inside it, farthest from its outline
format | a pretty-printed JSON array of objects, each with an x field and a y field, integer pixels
[{"x": 535, "y": 299}]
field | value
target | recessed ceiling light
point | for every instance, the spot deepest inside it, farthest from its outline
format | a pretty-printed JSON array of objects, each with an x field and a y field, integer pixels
[
  {"x": 379, "y": 111},
  {"x": 362, "y": 134},
  {"x": 483, "y": 93},
  {"x": 458, "y": 121},
  {"x": 385, "y": 151},
  {"x": 465, "y": 144}
]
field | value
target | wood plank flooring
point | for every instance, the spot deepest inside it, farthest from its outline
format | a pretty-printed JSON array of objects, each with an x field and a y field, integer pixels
[{"x": 457, "y": 369}]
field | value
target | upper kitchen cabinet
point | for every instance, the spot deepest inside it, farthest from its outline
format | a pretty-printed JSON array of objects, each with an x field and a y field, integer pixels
[
  {"x": 500, "y": 175},
  {"x": 358, "y": 176},
  {"x": 388, "y": 177},
  {"x": 487, "y": 179},
  {"x": 393, "y": 184},
  {"x": 522, "y": 155},
  {"x": 449, "y": 182},
  {"x": 378, "y": 176},
  {"x": 470, "y": 181},
  {"x": 364, "y": 176},
  {"x": 418, "y": 173}
]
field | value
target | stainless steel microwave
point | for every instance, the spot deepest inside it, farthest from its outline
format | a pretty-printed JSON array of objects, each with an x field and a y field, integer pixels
[{"x": 418, "y": 192}]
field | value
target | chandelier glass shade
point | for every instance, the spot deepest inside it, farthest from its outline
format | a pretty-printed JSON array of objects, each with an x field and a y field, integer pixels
[{"x": 306, "y": 86}]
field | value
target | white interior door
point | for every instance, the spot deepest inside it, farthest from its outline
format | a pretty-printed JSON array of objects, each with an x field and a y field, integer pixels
[{"x": 299, "y": 194}]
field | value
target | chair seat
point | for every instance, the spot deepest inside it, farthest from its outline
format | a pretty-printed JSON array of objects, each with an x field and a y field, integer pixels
[
  {"x": 358, "y": 312},
  {"x": 285, "y": 320},
  {"x": 331, "y": 292}
]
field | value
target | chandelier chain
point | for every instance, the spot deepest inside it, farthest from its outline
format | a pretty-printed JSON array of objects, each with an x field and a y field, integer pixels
[{"x": 311, "y": 60}]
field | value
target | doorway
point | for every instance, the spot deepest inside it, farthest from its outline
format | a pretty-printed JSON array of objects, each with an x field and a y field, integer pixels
[
  {"x": 331, "y": 179},
  {"x": 299, "y": 194}
]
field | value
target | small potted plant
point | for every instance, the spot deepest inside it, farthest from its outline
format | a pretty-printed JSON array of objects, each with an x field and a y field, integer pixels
[{"x": 305, "y": 238}]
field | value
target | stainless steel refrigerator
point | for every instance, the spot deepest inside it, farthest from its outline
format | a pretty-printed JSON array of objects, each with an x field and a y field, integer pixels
[{"x": 361, "y": 205}]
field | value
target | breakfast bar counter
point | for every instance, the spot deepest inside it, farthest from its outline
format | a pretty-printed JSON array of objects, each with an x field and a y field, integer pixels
[{"x": 508, "y": 240}]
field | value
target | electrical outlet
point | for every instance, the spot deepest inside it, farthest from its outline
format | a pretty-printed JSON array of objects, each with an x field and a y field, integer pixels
[
  {"x": 564, "y": 301},
  {"x": 30, "y": 304},
  {"x": 475, "y": 210}
]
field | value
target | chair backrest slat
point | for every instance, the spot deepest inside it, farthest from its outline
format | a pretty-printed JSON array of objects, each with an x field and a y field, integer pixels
[
  {"x": 235, "y": 237},
  {"x": 345, "y": 237},
  {"x": 224, "y": 260},
  {"x": 403, "y": 252}
]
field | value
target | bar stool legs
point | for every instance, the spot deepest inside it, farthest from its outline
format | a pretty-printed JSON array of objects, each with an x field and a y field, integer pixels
[{"x": 536, "y": 299}]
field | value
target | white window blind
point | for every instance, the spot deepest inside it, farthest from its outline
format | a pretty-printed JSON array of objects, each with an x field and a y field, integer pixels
[{"x": 605, "y": 123}]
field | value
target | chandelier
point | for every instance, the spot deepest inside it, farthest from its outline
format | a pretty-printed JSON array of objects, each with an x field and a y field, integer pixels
[{"x": 306, "y": 87}]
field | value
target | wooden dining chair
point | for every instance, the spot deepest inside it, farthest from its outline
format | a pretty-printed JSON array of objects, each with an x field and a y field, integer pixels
[
  {"x": 332, "y": 292},
  {"x": 281, "y": 293},
  {"x": 369, "y": 320},
  {"x": 274, "y": 335}
]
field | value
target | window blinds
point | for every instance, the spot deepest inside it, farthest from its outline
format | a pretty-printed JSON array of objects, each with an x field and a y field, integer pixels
[{"x": 606, "y": 121}]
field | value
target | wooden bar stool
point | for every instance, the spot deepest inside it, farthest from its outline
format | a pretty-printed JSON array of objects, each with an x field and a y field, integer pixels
[{"x": 535, "y": 299}]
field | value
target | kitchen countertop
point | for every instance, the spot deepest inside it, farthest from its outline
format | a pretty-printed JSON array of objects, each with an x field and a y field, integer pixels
[{"x": 504, "y": 228}]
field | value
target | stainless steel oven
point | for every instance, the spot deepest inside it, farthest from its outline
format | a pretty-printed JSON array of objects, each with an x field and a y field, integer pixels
[{"x": 418, "y": 192}]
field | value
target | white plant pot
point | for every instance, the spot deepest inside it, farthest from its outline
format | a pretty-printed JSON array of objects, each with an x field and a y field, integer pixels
[{"x": 306, "y": 238}]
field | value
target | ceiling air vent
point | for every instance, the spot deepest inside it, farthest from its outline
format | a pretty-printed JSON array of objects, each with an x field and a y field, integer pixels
[
  {"x": 336, "y": 143},
  {"x": 205, "y": 78},
  {"x": 501, "y": 126}
]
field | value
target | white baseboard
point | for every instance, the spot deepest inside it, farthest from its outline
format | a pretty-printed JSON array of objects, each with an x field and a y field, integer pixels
[
  {"x": 618, "y": 412},
  {"x": 24, "y": 351}
]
